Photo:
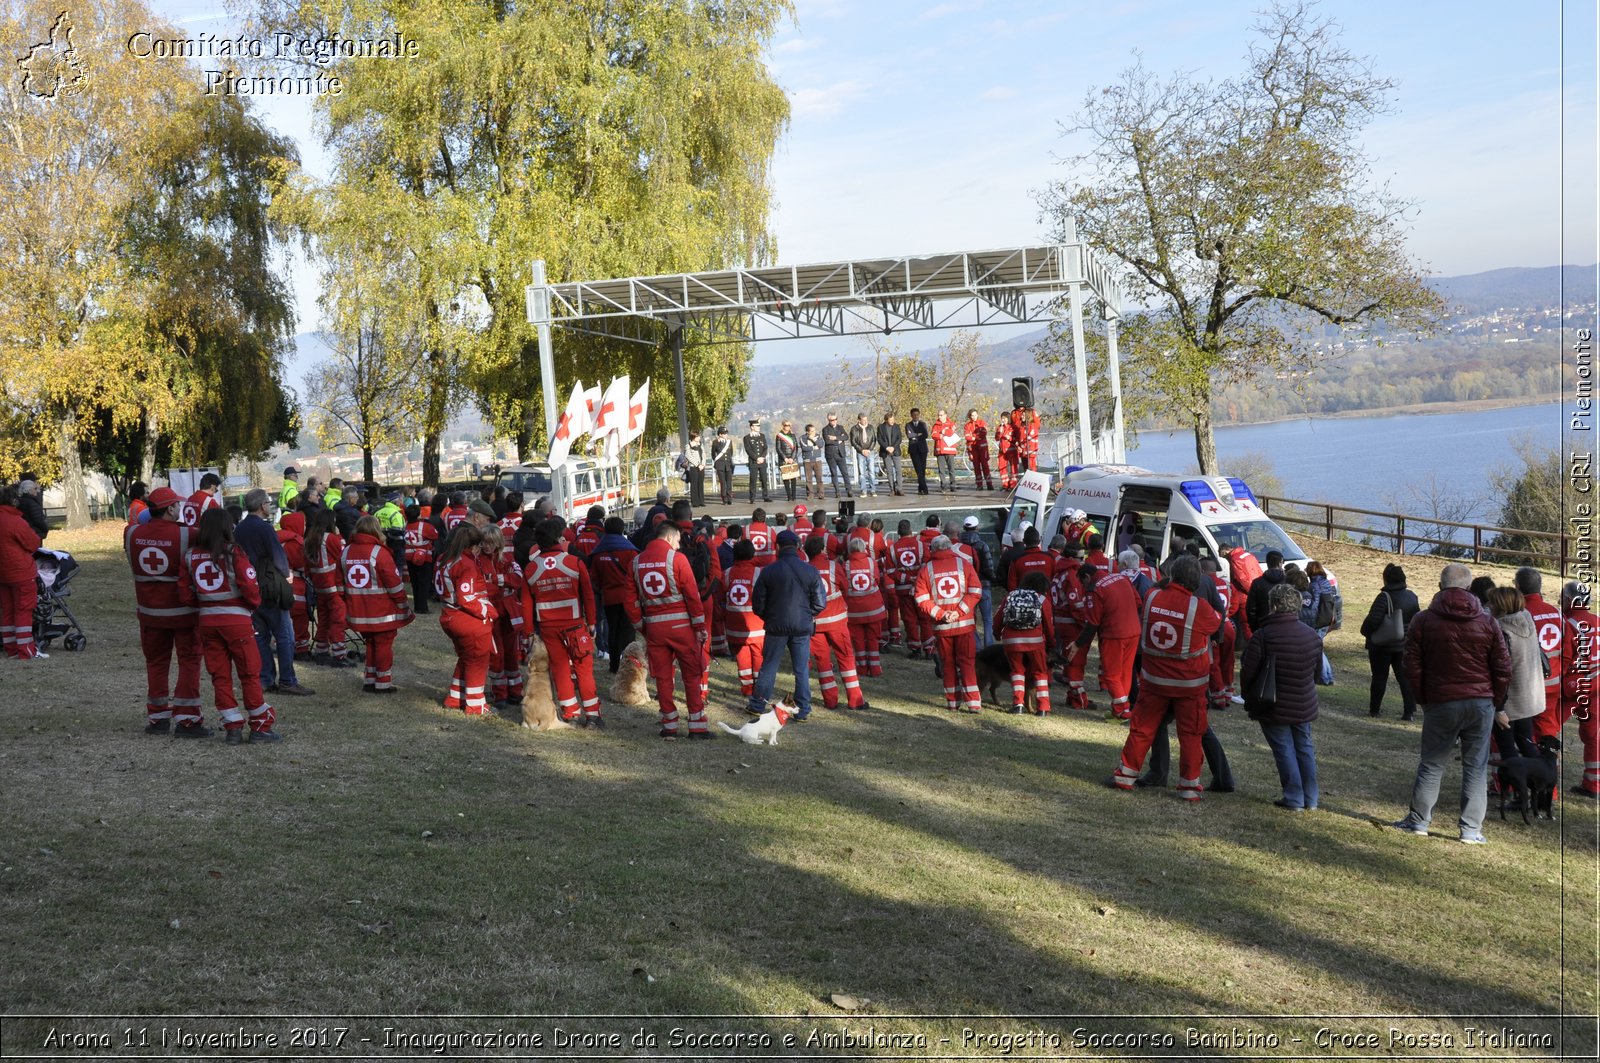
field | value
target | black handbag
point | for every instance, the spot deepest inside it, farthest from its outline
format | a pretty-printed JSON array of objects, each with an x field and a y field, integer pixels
[
  {"x": 1390, "y": 634},
  {"x": 1262, "y": 691},
  {"x": 276, "y": 590}
]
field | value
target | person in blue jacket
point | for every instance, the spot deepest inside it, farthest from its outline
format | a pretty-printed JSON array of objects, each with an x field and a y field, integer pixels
[{"x": 788, "y": 596}]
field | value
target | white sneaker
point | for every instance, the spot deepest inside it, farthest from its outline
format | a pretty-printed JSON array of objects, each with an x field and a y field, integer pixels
[
  {"x": 39, "y": 655},
  {"x": 1236, "y": 699}
]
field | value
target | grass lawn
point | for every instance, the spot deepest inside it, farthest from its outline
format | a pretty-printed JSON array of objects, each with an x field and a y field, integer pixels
[{"x": 392, "y": 858}]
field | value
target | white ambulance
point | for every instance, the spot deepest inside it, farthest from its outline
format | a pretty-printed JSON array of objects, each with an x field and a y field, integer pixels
[
  {"x": 572, "y": 488},
  {"x": 1161, "y": 511}
]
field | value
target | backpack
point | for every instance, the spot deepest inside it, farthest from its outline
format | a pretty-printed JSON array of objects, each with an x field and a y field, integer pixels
[
  {"x": 1023, "y": 610},
  {"x": 1330, "y": 609},
  {"x": 693, "y": 547},
  {"x": 1243, "y": 569}
]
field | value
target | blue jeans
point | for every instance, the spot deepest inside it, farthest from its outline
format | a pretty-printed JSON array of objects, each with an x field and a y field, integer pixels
[
  {"x": 1471, "y": 722},
  {"x": 276, "y": 624},
  {"x": 866, "y": 479},
  {"x": 1296, "y": 757},
  {"x": 1325, "y": 674},
  {"x": 986, "y": 610},
  {"x": 799, "y": 658}
]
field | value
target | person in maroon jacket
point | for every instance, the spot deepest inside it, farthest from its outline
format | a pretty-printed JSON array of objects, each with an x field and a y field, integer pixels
[{"x": 1457, "y": 663}]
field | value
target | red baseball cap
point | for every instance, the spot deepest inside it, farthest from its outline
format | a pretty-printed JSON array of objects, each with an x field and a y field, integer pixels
[
  {"x": 799, "y": 511},
  {"x": 162, "y": 497}
]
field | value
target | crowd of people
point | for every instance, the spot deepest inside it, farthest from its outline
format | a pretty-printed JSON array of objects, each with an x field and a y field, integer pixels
[
  {"x": 864, "y": 458},
  {"x": 1494, "y": 669}
]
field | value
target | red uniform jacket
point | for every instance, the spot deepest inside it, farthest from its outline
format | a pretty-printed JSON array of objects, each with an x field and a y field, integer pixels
[
  {"x": 833, "y": 612},
  {"x": 372, "y": 586},
  {"x": 1175, "y": 649},
  {"x": 613, "y": 571},
  {"x": 908, "y": 557},
  {"x": 155, "y": 551},
  {"x": 1547, "y": 626},
  {"x": 589, "y": 533},
  {"x": 977, "y": 435},
  {"x": 665, "y": 596},
  {"x": 453, "y": 515},
  {"x": 947, "y": 592},
  {"x": 420, "y": 537},
  {"x": 1113, "y": 607},
  {"x": 558, "y": 592},
  {"x": 223, "y": 601},
  {"x": 863, "y": 596},
  {"x": 194, "y": 507},
  {"x": 461, "y": 586},
  {"x": 738, "y": 608},
  {"x": 508, "y": 530},
  {"x": 761, "y": 537},
  {"x": 946, "y": 440},
  {"x": 294, "y": 549},
  {"x": 1041, "y": 636},
  {"x": 323, "y": 568},
  {"x": 1032, "y": 559},
  {"x": 1067, "y": 596}
]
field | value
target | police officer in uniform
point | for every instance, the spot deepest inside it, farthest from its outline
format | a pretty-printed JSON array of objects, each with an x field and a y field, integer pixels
[{"x": 755, "y": 454}]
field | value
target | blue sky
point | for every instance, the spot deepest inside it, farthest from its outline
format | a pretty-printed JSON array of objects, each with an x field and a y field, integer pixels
[{"x": 929, "y": 126}]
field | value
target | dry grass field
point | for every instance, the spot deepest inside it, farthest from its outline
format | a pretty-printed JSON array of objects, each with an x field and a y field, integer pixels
[{"x": 390, "y": 857}]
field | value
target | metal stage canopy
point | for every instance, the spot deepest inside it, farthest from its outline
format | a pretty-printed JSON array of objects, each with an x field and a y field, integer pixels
[{"x": 844, "y": 298}]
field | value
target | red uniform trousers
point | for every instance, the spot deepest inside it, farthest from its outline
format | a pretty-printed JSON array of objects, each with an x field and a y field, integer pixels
[
  {"x": 835, "y": 639},
  {"x": 1029, "y": 663},
  {"x": 380, "y": 660},
  {"x": 505, "y": 662},
  {"x": 719, "y": 629},
  {"x": 330, "y": 623},
  {"x": 1076, "y": 658},
  {"x": 1589, "y": 732},
  {"x": 16, "y": 618},
  {"x": 301, "y": 619},
  {"x": 573, "y": 677},
  {"x": 747, "y": 651},
  {"x": 233, "y": 646},
  {"x": 665, "y": 646},
  {"x": 1116, "y": 672},
  {"x": 981, "y": 477},
  {"x": 473, "y": 640},
  {"x": 1221, "y": 686},
  {"x": 958, "y": 660},
  {"x": 918, "y": 629},
  {"x": 1149, "y": 716},
  {"x": 158, "y": 643},
  {"x": 1003, "y": 464},
  {"x": 1553, "y": 718},
  {"x": 865, "y": 638}
]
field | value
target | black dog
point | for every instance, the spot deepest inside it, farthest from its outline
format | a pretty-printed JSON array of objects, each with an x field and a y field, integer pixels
[
  {"x": 1532, "y": 779},
  {"x": 994, "y": 675}
]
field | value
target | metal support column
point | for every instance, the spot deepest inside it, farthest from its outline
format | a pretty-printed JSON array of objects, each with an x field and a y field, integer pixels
[
  {"x": 1114, "y": 370},
  {"x": 538, "y": 294},
  {"x": 675, "y": 335},
  {"x": 1080, "y": 369}
]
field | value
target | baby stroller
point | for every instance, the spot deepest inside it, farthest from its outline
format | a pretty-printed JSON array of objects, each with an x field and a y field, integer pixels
[{"x": 54, "y": 570}]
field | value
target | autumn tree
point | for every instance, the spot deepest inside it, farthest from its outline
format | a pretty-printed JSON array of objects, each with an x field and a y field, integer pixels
[
  {"x": 891, "y": 379},
  {"x": 136, "y": 299},
  {"x": 1240, "y": 214},
  {"x": 607, "y": 137}
]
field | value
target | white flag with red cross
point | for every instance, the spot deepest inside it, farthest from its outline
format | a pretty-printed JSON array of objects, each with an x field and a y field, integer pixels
[
  {"x": 637, "y": 413},
  {"x": 568, "y": 427},
  {"x": 612, "y": 416}
]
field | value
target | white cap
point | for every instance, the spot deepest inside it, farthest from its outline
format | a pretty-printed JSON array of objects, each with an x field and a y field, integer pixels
[
  {"x": 1078, "y": 514},
  {"x": 1024, "y": 526},
  {"x": 970, "y": 522}
]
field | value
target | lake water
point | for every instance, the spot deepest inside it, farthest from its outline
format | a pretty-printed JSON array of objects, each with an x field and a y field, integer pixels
[{"x": 1373, "y": 462}]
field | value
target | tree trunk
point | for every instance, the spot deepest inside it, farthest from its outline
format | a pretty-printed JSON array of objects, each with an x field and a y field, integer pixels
[
  {"x": 72, "y": 482},
  {"x": 366, "y": 464},
  {"x": 1205, "y": 442},
  {"x": 430, "y": 458},
  {"x": 147, "y": 461},
  {"x": 525, "y": 433}
]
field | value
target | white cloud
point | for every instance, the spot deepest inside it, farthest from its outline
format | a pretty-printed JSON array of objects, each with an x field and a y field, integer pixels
[{"x": 828, "y": 100}]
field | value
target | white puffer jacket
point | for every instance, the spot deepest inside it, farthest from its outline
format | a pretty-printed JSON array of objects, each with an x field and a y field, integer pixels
[{"x": 1525, "y": 697}]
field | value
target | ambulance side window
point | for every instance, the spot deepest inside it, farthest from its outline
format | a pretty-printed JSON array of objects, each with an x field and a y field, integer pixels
[{"x": 1183, "y": 533}]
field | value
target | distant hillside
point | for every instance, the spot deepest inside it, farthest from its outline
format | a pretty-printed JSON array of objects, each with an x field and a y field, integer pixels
[{"x": 1534, "y": 288}]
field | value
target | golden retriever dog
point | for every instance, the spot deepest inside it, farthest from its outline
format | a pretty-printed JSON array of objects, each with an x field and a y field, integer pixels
[
  {"x": 630, "y": 686},
  {"x": 538, "y": 704}
]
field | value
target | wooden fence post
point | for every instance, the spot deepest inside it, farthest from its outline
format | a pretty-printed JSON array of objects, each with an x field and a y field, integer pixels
[
  {"x": 1399, "y": 534},
  {"x": 1327, "y": 516},
  {"x": 1477, "y": 543}
]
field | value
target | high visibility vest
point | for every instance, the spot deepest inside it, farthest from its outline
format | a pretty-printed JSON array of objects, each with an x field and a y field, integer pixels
[{"x": 738, "y": 601}]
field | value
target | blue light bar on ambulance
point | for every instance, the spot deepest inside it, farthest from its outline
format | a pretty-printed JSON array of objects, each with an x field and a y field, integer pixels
[
  {"x": 1198, "y": 492},
  {"x": 1242, "y": 492},
  {"x": 1069, "y": 470}
]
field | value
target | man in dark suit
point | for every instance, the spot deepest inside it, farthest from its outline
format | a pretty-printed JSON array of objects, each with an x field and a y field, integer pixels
[
  {"x": 755, "y": 456},
  {"x": 917, "y": 448},
  {"x": 836, "y": 451},
  {"x": 890, "y": 443}
]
